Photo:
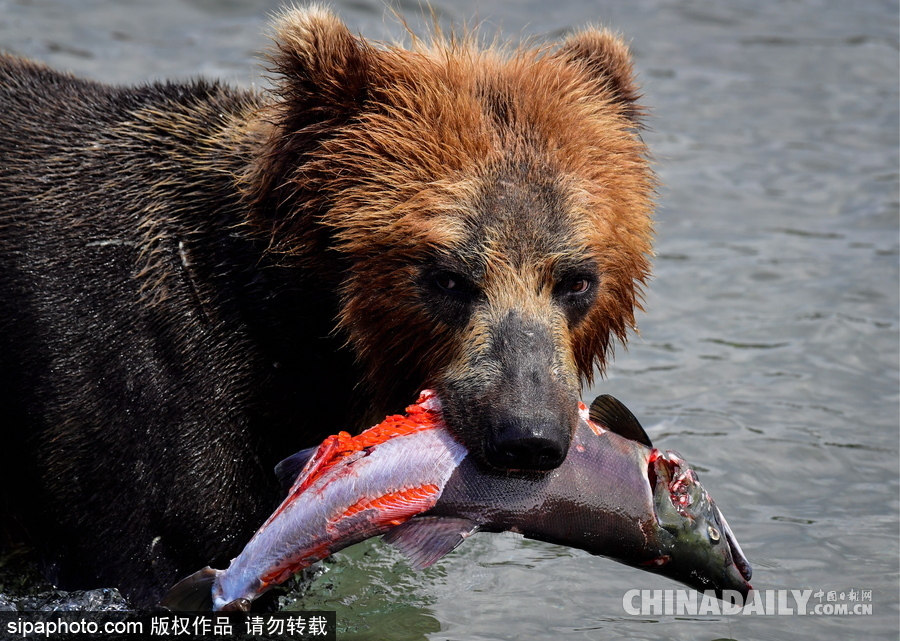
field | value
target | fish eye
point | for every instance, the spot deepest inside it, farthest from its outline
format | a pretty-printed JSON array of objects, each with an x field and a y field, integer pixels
[{"x": 713, "y": 534}]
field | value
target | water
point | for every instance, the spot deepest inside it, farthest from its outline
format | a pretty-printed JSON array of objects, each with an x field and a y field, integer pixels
[{"x": 768, "y": 355}]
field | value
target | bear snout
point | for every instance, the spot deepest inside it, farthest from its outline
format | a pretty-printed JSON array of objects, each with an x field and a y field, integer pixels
[
  {"x": 512, "y": 400},
  {"x": 527, "y": 442}
]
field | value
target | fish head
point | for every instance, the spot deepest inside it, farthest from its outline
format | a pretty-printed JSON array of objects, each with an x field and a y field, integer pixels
[{"x": 697, "y": 546}]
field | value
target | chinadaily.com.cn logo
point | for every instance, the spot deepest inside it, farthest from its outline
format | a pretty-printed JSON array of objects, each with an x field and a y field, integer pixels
[{"x": 853, "y": 602}]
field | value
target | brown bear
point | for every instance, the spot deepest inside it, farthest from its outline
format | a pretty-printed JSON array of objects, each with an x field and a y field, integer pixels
[{"x": 198, "y": 281}]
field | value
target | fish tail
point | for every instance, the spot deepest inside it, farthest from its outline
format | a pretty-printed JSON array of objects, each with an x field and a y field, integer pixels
[{"x": 192, "y": 594}]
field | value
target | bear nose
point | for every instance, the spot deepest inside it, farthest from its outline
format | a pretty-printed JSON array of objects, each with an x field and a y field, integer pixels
[{"x": 526, "y": 443}]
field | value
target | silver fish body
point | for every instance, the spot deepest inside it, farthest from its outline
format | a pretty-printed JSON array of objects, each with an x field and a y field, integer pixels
[
  {"x": 612, "y": 497},
  {"x": 332, "y": 513}
]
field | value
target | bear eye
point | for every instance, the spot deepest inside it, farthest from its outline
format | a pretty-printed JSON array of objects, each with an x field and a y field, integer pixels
[
  {"x": 447, "y": 281},
  {"x": 452, "y": 283},
  {"x": 448, "y": 295},
  {"x": 579, "y": 285},
  {"x": 576, "y": 286},
  {"x": 576, "y": 292}
]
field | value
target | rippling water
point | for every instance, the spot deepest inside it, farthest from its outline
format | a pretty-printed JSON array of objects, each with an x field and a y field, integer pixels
[{"x": 768, "y": 355}]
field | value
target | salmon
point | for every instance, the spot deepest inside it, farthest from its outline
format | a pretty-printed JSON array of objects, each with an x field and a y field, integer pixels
[{"x": 408, "y": 478}]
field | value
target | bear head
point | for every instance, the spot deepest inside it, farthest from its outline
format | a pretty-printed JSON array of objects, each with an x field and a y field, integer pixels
[{"x": 483, "y": 213}]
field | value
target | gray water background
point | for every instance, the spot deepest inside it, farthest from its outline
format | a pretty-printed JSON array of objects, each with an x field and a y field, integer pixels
[{"x": 768, "y": 354}]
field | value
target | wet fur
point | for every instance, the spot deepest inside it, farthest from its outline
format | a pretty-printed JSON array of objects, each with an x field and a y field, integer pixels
[{"x": 194, "y": 279}]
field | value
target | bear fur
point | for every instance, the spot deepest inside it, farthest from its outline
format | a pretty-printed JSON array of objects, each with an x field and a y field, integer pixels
[{"x": 198, "y": 281}]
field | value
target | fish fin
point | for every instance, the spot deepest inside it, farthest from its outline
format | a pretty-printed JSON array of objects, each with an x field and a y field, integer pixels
[
  {"x": 424, "y": 540},
  {"x": 238, "y": 605},
  {"x": 612, "y": 414},
  {"x": 289, "y": 469},
  {"x": 192, "y": 594}
]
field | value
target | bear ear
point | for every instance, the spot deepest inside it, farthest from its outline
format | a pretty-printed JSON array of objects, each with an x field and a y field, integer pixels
[
  {"x": 321, "y": 66},
  {"x": 322, "y": 75},
  {"x": 606, "y": 59}
]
